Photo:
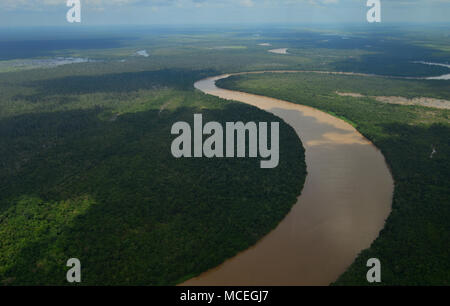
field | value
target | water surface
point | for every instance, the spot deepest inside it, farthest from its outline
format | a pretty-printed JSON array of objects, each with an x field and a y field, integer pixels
[{"x": 344, "y": 204}]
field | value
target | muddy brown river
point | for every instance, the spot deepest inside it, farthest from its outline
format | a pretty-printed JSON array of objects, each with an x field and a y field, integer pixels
[{"x": 344, "y": 204}]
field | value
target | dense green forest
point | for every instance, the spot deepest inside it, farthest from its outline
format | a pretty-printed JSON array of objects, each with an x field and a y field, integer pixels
[
  {"x": 414, "y": 245},
  {"x": 86, "y": 171}
]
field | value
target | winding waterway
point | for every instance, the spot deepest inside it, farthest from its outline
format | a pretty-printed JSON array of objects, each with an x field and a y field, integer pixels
[{"x": 344, "y": 204}]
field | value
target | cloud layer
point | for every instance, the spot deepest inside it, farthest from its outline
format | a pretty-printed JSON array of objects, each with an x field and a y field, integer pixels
[
  {"x": 45, "y": 4},
  {"x": 219, "y": 11}
]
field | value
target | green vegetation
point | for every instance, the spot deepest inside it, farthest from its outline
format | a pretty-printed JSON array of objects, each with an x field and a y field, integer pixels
[
  {"x": 386, "y": 50},
  {"x": 86, "y": 171},
  {"x": 414, "y": 245}
]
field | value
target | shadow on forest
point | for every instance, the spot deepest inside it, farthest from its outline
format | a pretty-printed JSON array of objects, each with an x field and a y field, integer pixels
[
  {"x": 117, "y": 83},
  {"x": 153, "y": 219},
  {"x": 21, "y": 49},
  {"x": 420, "y": 163}
]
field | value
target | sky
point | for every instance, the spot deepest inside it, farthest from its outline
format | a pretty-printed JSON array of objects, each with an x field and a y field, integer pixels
[{"x": 197, "y": 12}]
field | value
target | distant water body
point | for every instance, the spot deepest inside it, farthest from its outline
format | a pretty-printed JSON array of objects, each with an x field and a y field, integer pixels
[
  {"x": 279, "y": 51},
  {"x": 143, "y": 53},
  {"x": 441, "y": 77}
]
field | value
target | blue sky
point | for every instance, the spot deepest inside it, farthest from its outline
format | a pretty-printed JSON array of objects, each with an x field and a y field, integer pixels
[{"x": 96, "y": 12}]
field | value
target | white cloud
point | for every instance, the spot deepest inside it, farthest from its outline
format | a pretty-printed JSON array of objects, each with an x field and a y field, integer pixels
[
  {"x": 45, "y": 4},
  {"x": 247, "y": 3}
]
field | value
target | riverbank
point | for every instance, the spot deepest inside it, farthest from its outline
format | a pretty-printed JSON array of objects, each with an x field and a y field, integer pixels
[
  {"x": 412, "y": 247},
  {"x": 332, "y": 221}
]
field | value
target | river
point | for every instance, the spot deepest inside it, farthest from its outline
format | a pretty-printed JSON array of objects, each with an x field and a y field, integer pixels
[{"x": 343, "y": 206}]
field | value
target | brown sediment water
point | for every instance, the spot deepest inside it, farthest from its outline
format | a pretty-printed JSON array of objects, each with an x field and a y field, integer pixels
[{"x": 344, "y": 204}]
